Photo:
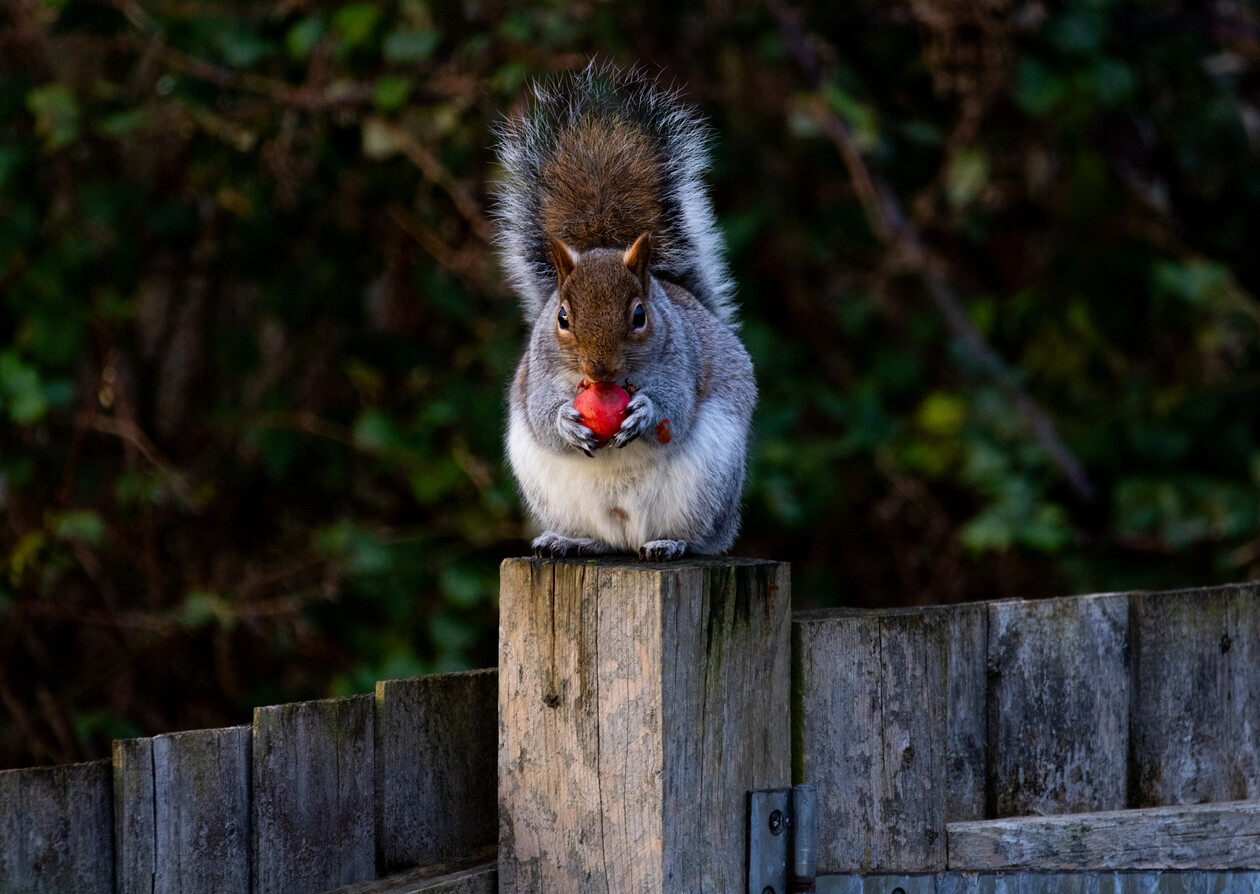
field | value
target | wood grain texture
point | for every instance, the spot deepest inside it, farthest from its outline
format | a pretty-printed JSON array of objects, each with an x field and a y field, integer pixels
[
  {"x": 637, "y": 706},
  {"x": 313, "y": 821},
  {"x": 725, "y": 690},
  {"x": 436, "y": 759},
  {"x": 57, "y": 829},
  {"x": 476, "y": 873},
  {"x": 134, "y": 833},
  {"x": 1196, "y": 696},
  {"x": 889, "y": 715},
  {"x": 201, "y": 783},
  {"x": 1203, "y": 836},
  {"x": 1148, "y": 882},
  {"x": 1058, "y": 703}
]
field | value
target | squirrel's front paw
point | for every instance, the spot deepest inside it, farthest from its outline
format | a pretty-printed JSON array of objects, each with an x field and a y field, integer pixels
[
  {"x": 575, "y": 432},
  {"x": 662, "y": 550},
  {"x": 550, "y": 545},
  {"x": 640, "y": 413}
]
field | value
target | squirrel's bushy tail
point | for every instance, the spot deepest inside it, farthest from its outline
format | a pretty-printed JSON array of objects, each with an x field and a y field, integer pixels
[{"x": 600, "y": 157}]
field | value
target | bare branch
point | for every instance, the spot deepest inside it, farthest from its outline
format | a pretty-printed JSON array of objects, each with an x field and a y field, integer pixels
[{"x": 891, "y": 226}]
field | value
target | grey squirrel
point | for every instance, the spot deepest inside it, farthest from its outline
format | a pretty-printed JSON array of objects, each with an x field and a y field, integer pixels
[{"x": 608, "y": 236}]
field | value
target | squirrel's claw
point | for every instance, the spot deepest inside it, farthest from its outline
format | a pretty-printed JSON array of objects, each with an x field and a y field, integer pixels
[
  {"x": 575, "y": 432},
  {"x": 638, "y": 419},
  {"x": 550, "y": 545},
  {"x": 662, "y": 550}
]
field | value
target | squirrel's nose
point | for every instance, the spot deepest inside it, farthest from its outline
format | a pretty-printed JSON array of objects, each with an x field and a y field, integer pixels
[{"x": 600, "y": 371}]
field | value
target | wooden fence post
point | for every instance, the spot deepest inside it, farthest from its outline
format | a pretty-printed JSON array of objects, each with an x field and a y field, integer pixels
[
  {"x": 313, "y": 788},
  {"x": 57, "y": 829},
  {"x": 890, "y": 726},
  {"x": 638, "y": 704}
]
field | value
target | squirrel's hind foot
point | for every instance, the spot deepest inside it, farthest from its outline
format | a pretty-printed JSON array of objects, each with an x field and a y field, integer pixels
[
  {"x": 550, "y": 545},
  {"x": 662, "y": 550}
]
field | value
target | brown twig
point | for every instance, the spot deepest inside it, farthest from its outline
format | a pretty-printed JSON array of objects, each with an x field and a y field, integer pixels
[
  {"x": 433, "y": 170},
  {"x": 307, "y": 422},
  {"x": 891, "y": 226}
]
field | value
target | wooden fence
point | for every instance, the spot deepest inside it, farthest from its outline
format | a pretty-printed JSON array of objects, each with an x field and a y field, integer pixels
[
  {"x": 1104, "y": 743},
  {"x": 311, "y": 796}
]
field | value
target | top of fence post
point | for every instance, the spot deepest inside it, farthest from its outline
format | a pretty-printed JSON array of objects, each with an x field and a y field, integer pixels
[{"x": 638, "y": 705}]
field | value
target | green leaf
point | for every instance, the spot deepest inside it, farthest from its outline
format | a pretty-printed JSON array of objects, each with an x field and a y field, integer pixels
[
  {"x": 354, "y": 23},
  {"x": 11, "y": 160},
  {"x": 123, "y": 123},
  {"x": 410, "y": 46},
  {"x": 923, "y": 133},
  {"x": 303, "y": 37},
  {"x": 81, "y": 524},
  {"x": 1194, "y": 282},
  {"x": 942, "y": 414},
  {"x": 379, "y": 140},
  {"x": 56, "y": 114},
  {"x": 374, "y": 431},
  {"x": 21, "y": 391},
  {"x": 860, "y": 116},
  {"x": 391, "y": 93},
  {"x": 202, "y": 608},
  {"x": 1113, "y": 83},
  {"x": 990, "y": 531},
  {"x": 462, "y": 586},
  {"x": 1038, "y": 90},
  {"x": 1186, "y": 511},
  {"x": 241, "y": 49},
  {"x": 102, "y": 724},
  {"x": 967, "y": 175},
  {"x": 1079, "y": 31},
  {"x": 361, "y": 547}
]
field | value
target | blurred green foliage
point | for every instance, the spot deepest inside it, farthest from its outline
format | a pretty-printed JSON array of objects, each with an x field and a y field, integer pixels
[{"x": 254, "y": 345}]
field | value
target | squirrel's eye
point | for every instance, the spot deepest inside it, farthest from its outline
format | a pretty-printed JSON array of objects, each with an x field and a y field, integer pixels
[
  {"x": 639, "y": 318},
  {"x": 562, "y": 318}
]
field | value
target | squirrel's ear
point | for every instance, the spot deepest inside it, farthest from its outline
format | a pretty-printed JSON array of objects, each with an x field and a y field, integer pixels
[
  {"x": 638, "y": 258},
  {"x": 564, "y": 258}
]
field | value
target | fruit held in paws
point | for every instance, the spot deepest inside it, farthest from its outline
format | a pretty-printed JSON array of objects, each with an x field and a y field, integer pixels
[{"x": 603, "y": 406}]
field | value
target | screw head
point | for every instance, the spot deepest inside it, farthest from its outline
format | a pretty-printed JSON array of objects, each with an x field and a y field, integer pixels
[{"x": 776, "y": 822}]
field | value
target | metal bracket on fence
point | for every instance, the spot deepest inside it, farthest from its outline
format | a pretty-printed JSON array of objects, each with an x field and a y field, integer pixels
[{"x": 782, "y": 840}]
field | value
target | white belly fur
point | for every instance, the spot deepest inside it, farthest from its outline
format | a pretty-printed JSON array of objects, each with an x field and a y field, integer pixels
[{"x": 629, "y": 496}]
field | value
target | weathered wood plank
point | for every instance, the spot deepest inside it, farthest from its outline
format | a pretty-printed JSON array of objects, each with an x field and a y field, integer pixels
[
  {"x": 313, "y": 822},
  {"x": 548, "y": 703},
  {"x": 1196, "y": 695},
  {"x": 965, "y": 629},
  {"x": 725, "y": 682},
  {"x": 57, "y": 829},
  {"x": 836, "y": 686},
  {"x": 475, "y": 874},
  {"x": 1150, "y": 882},
  {"x": 436, "y": 760},
  {"x": 134, "y": 833},
  {"x": 637, "y": 705},
  {"x": 201, "y": 784},
  {"x": 890, "y": 725},
  {"x": 1201, "y": 836},
  {"x": 1058, "y": 703}
]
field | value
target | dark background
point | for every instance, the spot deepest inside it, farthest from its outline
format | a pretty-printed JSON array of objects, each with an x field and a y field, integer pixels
[{"x": 997, "y": 262}]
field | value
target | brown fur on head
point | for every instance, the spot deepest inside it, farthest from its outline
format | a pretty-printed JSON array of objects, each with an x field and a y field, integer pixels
[
  {"x": 604, "y": 311},
  {"x": 601, "y": 184}
]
